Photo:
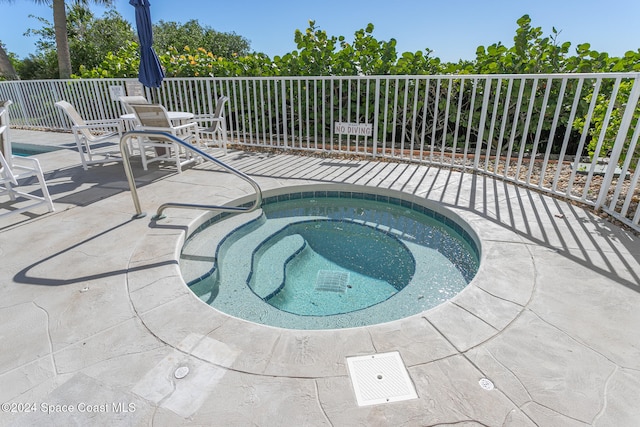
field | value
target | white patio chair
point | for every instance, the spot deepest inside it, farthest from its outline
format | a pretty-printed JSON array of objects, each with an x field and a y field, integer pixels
[
  {"x": 95, "y": 138},
  {"x": 15, "y": 170},
  {"x": 126, "y": 102},
  {"x": 213, "y": 127},
  {"x": 154, "y": 117},
  {"x": 128, "y": 124}
]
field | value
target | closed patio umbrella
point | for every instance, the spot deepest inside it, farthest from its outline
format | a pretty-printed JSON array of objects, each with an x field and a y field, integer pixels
[{"x": 150, "y": 73}]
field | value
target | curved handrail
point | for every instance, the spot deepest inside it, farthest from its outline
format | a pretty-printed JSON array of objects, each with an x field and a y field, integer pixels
[{"x": 124, "y": 149}]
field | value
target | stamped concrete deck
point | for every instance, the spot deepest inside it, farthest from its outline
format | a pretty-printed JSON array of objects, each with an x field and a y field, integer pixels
[{"x": 95, "y": 318}]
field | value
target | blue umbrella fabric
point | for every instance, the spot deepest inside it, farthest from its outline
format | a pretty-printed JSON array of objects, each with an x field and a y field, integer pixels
[{"x": 150, "y": 73}]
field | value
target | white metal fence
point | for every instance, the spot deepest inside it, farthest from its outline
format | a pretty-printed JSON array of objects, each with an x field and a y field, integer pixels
[{"x": 572, "y": 135}]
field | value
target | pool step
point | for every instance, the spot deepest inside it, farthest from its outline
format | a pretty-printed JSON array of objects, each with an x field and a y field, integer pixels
[
  {"x": 269, "y": 265},
  {"x": 199, "y": 253},
  {"x": 232, "y": 292},
  {"x": 243, "y": 248}
]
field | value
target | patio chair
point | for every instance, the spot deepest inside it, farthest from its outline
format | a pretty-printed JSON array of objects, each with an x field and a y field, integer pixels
[
  {"x": 129, "y": 124},
  {"x": 154, "y": 117},
  {"x": 15, "y": 170},
  {"x": 126, "y": 102},
  {"x": 95, "y": 138},
  {"x": 213, "y": 128}
]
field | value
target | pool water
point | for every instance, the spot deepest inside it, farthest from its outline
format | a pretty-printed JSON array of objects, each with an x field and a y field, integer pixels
[
  {"x": 339, "y": 266},
  {"x": 325, "y": 260},
  {"x": 26, "y": 150}
]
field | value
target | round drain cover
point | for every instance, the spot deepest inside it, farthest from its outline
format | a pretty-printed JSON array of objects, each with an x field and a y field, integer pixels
[
  {"x": 486, "y": 384},
  {"x": 181, "y": 372}
]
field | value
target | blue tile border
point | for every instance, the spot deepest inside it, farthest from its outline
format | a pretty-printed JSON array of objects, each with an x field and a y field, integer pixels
[{"x": 359, "y": 195}]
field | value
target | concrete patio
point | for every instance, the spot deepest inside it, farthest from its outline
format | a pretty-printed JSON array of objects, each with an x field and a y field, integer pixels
[{"x": 95, "y": 317}]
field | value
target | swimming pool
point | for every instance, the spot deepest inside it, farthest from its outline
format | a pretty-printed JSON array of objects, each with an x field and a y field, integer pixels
[
  {"x": 330, "y": 259},
  {"x": 26, "y": 150}
]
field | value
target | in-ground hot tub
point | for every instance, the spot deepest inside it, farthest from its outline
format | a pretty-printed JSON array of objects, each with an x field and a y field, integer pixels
[{"x": 325, "y": 259}]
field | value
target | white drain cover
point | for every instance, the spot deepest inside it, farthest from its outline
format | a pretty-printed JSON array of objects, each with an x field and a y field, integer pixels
[
  {"x": 332, "y": 281},
  {"x": 486, "y": 384},
  {"x": 380, "y": 378}
]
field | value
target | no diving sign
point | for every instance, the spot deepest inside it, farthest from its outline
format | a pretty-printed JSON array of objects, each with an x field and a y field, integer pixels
[{"x": 360, "y": 129}]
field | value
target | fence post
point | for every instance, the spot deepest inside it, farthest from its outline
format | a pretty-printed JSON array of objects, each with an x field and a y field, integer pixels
[
  {"x": 376, "y": 111},
  {"x": 618, "y": 145},
  {"x": 483, "y": 119},
  {"x": 285, "y": 124}
]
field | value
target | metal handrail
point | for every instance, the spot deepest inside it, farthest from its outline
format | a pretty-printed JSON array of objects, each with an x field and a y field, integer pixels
[{"x": 124, "y": 149}]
